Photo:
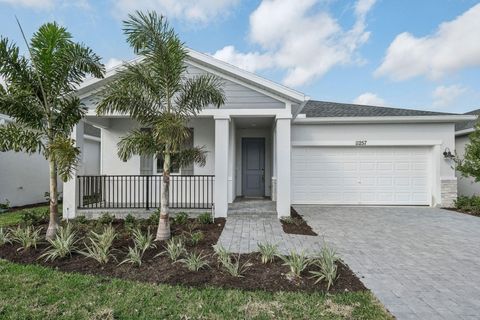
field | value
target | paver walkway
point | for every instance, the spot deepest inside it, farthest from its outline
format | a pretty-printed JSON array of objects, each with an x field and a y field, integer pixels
[
  {"x": 422, "y": 263},
  {"x": 243, "y": 231}
]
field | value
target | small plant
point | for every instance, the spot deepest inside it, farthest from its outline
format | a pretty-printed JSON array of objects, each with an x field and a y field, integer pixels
[
  {"x": 100, "y": 245},
  {"x": 130, "y": 222},
  {"x": 153, "y": 219},
  {"x": 174, "y": 249},
  {"x": 4, "y": 206},
  {"x": 205, "y": 218},
  {"x": 196, "y": 237},
  {"x": 195, "y": 261},
  {"x": 268, "y": 251},
  {"x": 134, "y": 256},
  {"x": 292, "y": 220},
  {"x": 221, "y": 253},
  {"x": 326, "y": 262},
  {"x": 180, "y": 218},
  {"x": 468, "y": 204},
  {"x": 81, "y": 220},
  {"x": 62, "y": 245},
  {"x": 32, "y": 217},
  {"x": 27, "y": 237},
  {"x": 5, "y": 237},
  {"x": 106, "y": 219},
  {"x": 234, "y": 267},
  {"x": 297, "y": 262},
  {"x": 143, "y": 241}
]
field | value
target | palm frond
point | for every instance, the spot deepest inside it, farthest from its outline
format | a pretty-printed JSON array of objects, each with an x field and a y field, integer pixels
[
  {"x": 200, "y": 91},
  {"x": 65, "y": 155},
  {"x": 138, "y": 141},
  {"x": 186, "y": 157},
  {"x": 70, "y": 112},
  {"x": 15, "y": 137}
]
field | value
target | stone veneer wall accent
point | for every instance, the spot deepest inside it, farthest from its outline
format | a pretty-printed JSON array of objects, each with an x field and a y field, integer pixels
[{"x": 448, "y": 192}]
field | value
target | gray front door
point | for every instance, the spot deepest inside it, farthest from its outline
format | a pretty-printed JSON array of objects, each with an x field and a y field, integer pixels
[{"x": 253, "y": 167}]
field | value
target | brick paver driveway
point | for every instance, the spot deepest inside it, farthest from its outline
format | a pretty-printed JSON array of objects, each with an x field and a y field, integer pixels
[{"x": 422, "y": 263}]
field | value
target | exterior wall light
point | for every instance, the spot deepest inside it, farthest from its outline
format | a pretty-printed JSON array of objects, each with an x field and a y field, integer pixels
[{"x": 447, "y": 154}]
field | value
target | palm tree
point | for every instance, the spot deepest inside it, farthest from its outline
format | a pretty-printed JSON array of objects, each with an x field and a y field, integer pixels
[
  {"x": 157, "y": 93},
  {"x": 39, "y": 96}
]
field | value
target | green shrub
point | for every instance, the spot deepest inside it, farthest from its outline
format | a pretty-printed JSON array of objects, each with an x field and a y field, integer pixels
[
  {"x": 180, "y": 218},
  {"x": 134, "y": 256},
  {"x": 221, "y": 253},
  {"x": 154, "y": 218},
  {"x": 62, "y": 245},
  {"x": 292, "y": 220},
  {"x": 100, "y": 245},
  {"x": 195, "y": 261},
  {"x": 130, "y": 222},
  {"x": 32, "y": 217},
  {"x": 268, "y": 251},
  {"x": 297, "y": 262},
  {"x": 5, "y": 237},
  {"x": 326, "y": 262},
  {"x": 174, "y": 249},
  {"x": 143, "y": 241},
  {"x": 468, "y": 204},
  {"x": 80, "y": 220},
  {"x": 26, "y": 237},
  {"x": 205, "y": 218},
  {"x": 106, "y": 219},
  {"x": 196, "y": 237},
  {"x": 234, "y": 267}
]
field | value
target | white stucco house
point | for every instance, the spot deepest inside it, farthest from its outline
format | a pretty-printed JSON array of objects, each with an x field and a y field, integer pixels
[
  {"x": 24, "y": 178},
  {"x": 466, "y": 186},
  {"x": 273, "y": 142}
]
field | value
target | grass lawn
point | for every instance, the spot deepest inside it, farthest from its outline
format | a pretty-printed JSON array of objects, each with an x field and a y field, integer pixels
[
  {"x": 14, "y": 217},
  {"x": 34, "y": 292}
]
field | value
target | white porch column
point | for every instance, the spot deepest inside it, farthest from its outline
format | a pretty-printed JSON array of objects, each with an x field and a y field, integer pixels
[
  {"x": 282, "y": 155},
  {"x": 221, "y": 165},
  {"x": 71, "y": 187},
  {"x": 231, "y": 163}
]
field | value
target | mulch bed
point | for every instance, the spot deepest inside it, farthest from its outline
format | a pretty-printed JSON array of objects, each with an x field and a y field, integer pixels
[
  {"x": 269, "y": 277},
  {"x": 297, "y": 225}
]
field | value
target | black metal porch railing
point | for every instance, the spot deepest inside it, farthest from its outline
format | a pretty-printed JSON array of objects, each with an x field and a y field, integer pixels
[{"x": 143, "y": 191}]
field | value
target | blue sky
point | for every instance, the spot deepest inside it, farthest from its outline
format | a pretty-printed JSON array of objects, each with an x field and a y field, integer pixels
[{"x": 413, "y": 54}]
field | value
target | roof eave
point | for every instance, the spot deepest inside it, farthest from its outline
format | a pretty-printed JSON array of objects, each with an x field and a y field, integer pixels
[
  {"x": 464, "y": 132},
  {"x": 391, "y": 119}
]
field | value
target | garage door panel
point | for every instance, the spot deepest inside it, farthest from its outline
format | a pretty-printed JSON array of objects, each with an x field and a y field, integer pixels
[{"x": 371, "y": 175}]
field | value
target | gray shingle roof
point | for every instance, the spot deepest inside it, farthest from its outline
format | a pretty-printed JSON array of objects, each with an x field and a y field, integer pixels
[
  {"x": 334, "y": 109},
  {"x": 467, "y": 124}
]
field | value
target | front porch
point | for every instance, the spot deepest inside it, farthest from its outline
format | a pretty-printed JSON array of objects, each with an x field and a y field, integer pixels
[{"x": 243, "y": 162}]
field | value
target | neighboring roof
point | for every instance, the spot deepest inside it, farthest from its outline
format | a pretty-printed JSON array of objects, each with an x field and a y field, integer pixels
[
  {"x": 465, "y": 125},
  {"x": 322, "y": 109},
  {"x": 209, "y": 62}
]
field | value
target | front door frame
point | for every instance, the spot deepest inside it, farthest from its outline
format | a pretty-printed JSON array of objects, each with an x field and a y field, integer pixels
[{"x": 244, "y": 168}]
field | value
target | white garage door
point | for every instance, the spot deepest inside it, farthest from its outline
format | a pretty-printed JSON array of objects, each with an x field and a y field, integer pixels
[{"x": 361, "y": 175}]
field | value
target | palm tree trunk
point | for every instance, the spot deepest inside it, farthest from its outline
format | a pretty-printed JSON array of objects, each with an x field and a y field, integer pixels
[
  {"x": 54, "y": 221},
  {"x": 163, "y": 231}
]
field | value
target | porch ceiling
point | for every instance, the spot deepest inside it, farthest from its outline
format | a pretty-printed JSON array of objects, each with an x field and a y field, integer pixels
[{"x": 253, "y": 122}]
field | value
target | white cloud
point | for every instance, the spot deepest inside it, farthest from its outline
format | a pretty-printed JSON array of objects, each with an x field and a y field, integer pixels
[
  {"x": 112, "y": 62},
  {"x": 190, "y": 10},
  {"x": 444, "y": 96},
  {"x": 47, "y": 4},
  {"x": 369, "y": 98},
  {"x": 250, "y": 61},
  {"x": 297, "y": 37},
  {"x": 454, "y": 46}
]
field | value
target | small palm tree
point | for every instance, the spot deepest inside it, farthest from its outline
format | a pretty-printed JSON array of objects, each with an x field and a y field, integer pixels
[
  {"x": 158, "y": 94},
  {"x": 38, "y": 96}
]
